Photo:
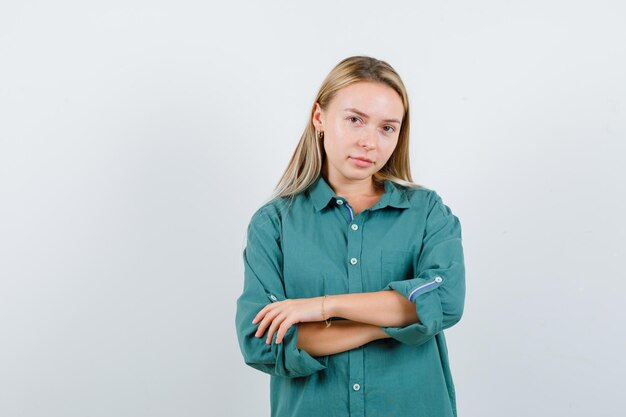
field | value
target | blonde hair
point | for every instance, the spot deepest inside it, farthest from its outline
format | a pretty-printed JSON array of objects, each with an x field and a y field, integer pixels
[{"x": 307, "y": 160}]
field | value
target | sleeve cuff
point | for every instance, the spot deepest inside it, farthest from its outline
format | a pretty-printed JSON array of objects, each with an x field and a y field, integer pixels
[
  {"x": 298, "y": 361},
  {"x": 428, "y": 309}
]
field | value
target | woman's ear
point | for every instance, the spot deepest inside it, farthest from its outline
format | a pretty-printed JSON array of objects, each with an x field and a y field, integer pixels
[{"x": 318, "y": 117}]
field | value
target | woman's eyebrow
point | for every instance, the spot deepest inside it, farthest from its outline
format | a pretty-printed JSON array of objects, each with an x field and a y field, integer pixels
[{"x": 360, "y": 113}]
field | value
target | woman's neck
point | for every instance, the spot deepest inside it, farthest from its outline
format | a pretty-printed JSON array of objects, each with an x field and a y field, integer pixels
[{"x": 365, "y": 188}]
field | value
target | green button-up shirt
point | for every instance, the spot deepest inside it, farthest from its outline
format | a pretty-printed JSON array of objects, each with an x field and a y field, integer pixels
[{"x": 410, "y": 242}]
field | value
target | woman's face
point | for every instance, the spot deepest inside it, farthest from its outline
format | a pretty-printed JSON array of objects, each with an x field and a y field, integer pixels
[{"x": 362, "y": 121}]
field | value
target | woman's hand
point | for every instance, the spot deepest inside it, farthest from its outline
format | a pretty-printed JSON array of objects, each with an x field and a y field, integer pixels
[{"x": 282, "y": 315}]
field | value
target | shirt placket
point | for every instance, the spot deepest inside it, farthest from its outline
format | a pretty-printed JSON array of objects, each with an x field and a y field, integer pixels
[{"x": 355, "y": 285}]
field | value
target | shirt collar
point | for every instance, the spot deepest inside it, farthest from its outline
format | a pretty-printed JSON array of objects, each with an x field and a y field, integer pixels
[{"x": 321, "y": 195}]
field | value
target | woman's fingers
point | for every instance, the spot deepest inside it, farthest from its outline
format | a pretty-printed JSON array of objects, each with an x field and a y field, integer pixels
[
  {"x": 261, "y": 313},
  {"x": 266, "y": 321},
  {"x": 278, "y": 317},
  {"x": 275, "y": 323},
  {"x": 282, "y": 330}
]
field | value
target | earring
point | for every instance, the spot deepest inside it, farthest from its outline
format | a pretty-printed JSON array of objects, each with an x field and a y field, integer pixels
[{"x": 321, "y": 135}]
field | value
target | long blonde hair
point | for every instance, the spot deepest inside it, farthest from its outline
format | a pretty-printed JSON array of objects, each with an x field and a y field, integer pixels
[{"x": 308, "y": 158}]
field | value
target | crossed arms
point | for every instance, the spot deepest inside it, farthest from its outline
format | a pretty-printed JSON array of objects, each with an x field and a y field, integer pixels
[{"x": 365, "y": 313}]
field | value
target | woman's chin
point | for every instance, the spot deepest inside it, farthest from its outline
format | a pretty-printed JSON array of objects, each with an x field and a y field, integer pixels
[{"x": 358, "y": 175}]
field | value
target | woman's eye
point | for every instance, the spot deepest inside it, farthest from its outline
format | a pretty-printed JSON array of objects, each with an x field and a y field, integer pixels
[
  {"x": 390, "y": 127},
  {"x": 352, "y": 118}
]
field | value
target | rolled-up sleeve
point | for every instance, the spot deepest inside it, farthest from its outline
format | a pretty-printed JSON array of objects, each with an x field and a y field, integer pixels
[
  {"x": 263, "y": 283},
  {"x": 438, "y": 289}
]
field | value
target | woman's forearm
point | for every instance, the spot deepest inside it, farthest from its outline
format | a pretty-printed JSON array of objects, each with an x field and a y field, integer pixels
[
  {"x": 381, "y": 308},
  {"x": 318, "y": 340}
]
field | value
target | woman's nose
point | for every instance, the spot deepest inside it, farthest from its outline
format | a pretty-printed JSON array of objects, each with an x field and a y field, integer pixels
[{"x": 368, "y": 138}]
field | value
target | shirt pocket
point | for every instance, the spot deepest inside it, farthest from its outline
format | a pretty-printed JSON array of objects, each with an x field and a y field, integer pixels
[{"x": 395, "y": 265}]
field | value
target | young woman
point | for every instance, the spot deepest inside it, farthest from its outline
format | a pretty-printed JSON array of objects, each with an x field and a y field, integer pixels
[{"x": 352, "y": 271}]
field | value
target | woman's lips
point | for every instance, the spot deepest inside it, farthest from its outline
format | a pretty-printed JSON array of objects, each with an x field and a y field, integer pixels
[{"x": 361, "y": 162}]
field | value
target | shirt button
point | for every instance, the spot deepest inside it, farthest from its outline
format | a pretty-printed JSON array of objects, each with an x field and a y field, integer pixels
[
  {"x": 340, "y": 202},
  {"x": 356, "y": 387},
  {"x": 273, "y": 297},
  {"x": 438, "y": 279},
  {"x": 355, "y": 227},
  {"x": 353, "y": 261}
]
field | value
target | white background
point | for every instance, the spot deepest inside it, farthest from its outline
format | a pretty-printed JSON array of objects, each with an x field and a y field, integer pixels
[{"x": 138, "y": 137}]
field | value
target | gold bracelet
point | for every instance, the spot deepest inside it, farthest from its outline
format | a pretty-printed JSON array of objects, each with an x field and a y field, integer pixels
[{"x": 328, "y": 322}]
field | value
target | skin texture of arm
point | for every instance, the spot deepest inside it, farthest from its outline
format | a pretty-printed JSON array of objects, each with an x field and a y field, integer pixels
[
  {"x": 364, "y": 314},
  {"x": 318, "y": 340},
  {"x": 381, "y": 308},
  {"x": 386, "y": 308}
]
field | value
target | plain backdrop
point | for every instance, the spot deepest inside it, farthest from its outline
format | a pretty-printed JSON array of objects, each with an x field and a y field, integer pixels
[{"x": 138, "y": 137}]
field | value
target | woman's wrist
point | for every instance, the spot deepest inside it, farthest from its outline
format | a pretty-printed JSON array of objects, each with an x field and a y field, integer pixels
[
  {"x": 331, "y": 306},
  {"x": 379, "y": 333}
]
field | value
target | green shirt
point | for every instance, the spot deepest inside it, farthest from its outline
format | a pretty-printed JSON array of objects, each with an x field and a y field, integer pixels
[{"x": 410, "y": 242}]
